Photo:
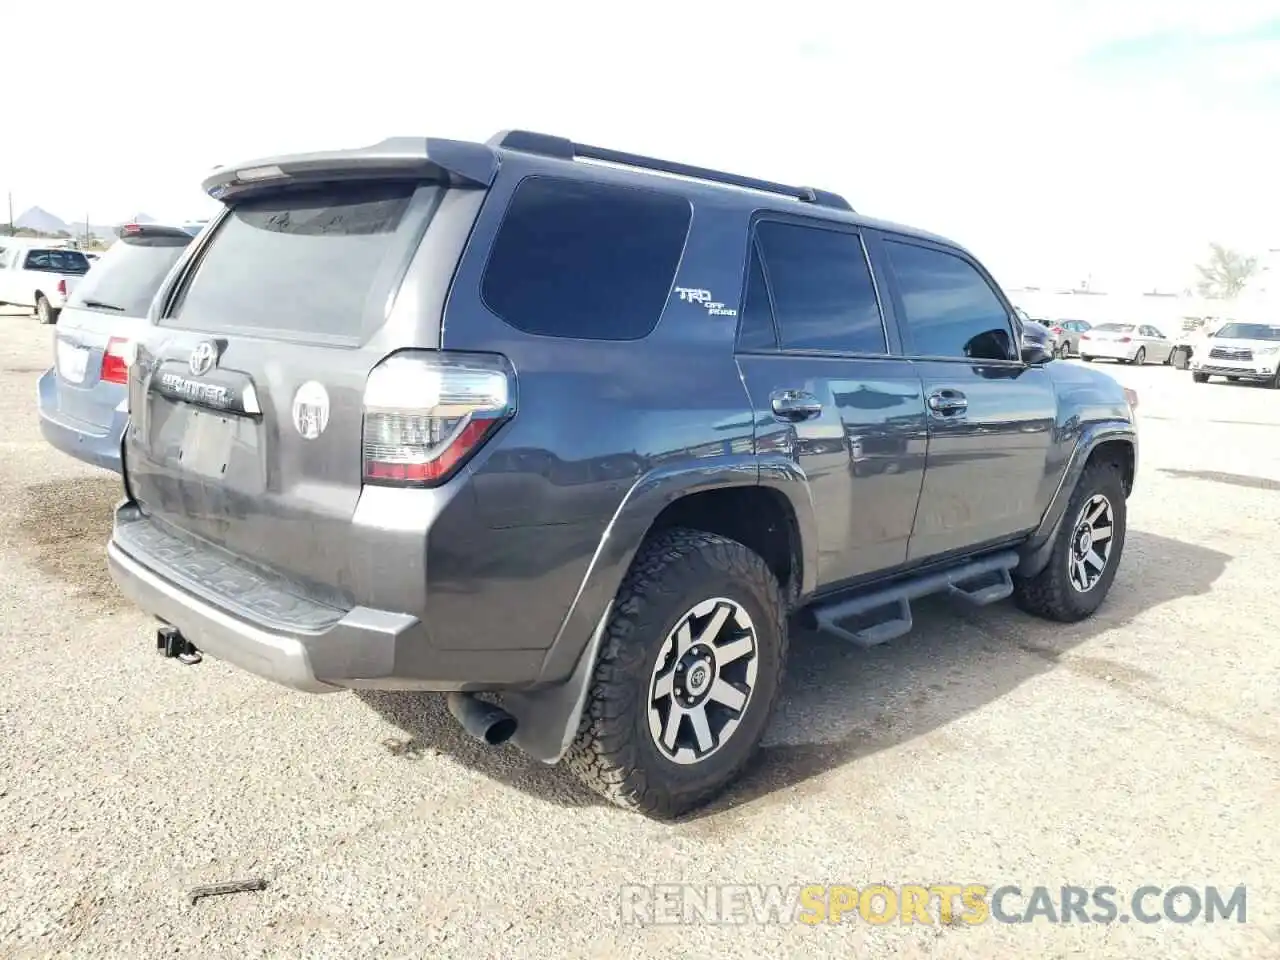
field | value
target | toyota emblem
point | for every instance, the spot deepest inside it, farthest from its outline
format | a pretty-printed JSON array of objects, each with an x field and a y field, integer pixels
[{"x": 203, "y": 358}]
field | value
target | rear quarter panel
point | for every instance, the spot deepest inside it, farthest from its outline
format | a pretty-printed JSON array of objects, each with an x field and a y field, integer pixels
[{"x": 607, "y": 433}]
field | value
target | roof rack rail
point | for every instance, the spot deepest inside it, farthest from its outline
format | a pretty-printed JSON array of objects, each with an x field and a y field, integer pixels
[{"x": 562, "y": 148}]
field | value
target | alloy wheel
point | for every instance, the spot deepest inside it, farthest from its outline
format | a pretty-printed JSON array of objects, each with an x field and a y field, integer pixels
[
  {"x": 702, "y": 682},
  {"x": 1091, "y": 543}
]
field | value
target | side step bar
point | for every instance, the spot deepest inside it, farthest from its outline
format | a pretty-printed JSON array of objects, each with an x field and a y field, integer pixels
[{"x": 886, "y": 613}]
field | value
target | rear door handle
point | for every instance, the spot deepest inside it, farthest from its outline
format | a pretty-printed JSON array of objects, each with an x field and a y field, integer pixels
[
  {"x": 948, "y": 403},
  {"x": 793, "y": 405}
]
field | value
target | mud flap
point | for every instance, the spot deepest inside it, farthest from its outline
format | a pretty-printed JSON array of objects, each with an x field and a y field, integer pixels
[{"x": 547, "y": 720}]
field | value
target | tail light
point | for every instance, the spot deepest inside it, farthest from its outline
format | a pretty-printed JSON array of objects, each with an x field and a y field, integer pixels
[
  {"x": 1131, "y": 396},
  {"x": 427, "y": 413},
  {"x": 1125, "y": 339},
  {"x": 115, "y": 361},
  {"x": 1055, "y": 330},
  {"x": 1085, "y": 336},
  {"x": 62, "y": 288}
]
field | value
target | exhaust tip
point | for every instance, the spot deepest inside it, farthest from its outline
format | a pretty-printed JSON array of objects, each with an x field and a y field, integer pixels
[
  {"x": 486, "y": 722},
  {"x": 501, "y": 731}
]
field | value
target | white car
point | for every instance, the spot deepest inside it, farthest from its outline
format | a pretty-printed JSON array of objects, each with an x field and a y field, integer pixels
[
  {"x": 1126, "y": 342},
  {"x": 1240, "y": 351},
  {"x": 39, "y": 275}
]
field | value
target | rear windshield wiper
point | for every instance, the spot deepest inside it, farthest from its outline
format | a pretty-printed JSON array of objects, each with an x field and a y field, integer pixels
[{"x": 100, "y": 305}]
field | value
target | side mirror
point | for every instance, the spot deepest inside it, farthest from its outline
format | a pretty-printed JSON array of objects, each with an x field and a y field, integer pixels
[{"x": 1034, "y": 353}]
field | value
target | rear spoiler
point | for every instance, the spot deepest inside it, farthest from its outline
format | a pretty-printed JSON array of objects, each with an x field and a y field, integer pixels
[
  {"x": 464, "y": 163},
  {"x": 455, "y": 161},
  {"x": 156, "y": 230}
]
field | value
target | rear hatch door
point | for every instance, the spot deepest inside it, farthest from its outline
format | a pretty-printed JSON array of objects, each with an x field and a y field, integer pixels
[
  {"x": 98, "y": 329},
  {"x": 247, "y": 396}
]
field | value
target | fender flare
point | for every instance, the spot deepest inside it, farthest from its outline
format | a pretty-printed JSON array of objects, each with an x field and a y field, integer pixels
[
  {"x": 548, "y": 716},
  {"x": 1036, "y": 551}
]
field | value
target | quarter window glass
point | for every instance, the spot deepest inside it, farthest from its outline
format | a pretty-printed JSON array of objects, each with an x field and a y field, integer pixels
[
  {"x": 585, "y": 260},
  {"x": 756, "y": 329}
]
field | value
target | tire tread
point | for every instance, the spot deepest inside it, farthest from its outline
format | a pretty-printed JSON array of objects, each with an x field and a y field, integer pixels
[
  {"x": 1049, "y": 593},
  {"x": 603, "y": 755}
]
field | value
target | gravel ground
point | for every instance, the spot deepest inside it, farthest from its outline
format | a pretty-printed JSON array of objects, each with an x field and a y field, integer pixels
[{"x": 987, "y": 747}]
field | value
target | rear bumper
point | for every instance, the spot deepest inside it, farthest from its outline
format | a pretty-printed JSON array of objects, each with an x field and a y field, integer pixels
[
  {"x": 283, "y": 659},
  {"x": 360, "y": 648},
  {"x": 88, "y": 442},
  {"x": 1107, "y": 350}
]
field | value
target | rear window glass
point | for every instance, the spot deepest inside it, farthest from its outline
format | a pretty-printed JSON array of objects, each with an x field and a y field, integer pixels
[
  {"x": 298, "y": 262},
  {"x": 823, "y": 296},
  {"x": 585, "y": 260},
  {"x": 127, "y": 277},
  {"x": 57, "y": 261}
]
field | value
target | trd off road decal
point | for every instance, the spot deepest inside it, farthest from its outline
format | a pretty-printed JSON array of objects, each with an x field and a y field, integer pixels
[{"x": 704, "y": 298}]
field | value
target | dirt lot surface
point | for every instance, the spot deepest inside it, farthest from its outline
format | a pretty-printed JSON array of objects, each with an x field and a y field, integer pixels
[{"x": 1138, "y": 748}]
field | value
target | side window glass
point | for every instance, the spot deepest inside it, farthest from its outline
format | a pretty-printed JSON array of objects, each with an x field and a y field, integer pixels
[
  {"x": 951, "y": 310},
  {"x": 585, "y": 260},
  {"x": 823, "y": 296},
  {"x": 755, "y": 331}
]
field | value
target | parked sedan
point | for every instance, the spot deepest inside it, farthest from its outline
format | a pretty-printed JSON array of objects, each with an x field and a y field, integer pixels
[
  {"x": 83, "y": 398},
  {"x": 1126, "y": 342}
]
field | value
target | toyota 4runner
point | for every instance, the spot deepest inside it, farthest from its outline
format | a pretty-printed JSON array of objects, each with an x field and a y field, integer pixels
[{"x": 585, "y": 430}]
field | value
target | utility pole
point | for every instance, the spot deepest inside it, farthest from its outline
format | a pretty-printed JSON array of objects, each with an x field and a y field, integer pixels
[{"x": 12, "y": 230}]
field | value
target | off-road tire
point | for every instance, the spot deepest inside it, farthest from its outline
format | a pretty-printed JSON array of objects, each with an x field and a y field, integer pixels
[
  {"x": 1199, "y": 378},
  {"x": 1049, "y": 594},
  {"x": 614, "y": 753},
  {"x": 45, "y": 313}
]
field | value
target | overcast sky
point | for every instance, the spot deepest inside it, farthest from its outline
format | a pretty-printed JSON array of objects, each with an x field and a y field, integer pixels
[{"x": 1056, "y": 139}]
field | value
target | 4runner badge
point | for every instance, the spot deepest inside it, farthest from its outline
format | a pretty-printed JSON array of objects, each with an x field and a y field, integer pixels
[
  {"x": 704, "y": 298},
  {"x": 311, "y": 409}
]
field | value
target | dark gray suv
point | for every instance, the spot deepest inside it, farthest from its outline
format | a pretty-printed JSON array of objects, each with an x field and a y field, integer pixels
[{"x": 587, "y": 430}]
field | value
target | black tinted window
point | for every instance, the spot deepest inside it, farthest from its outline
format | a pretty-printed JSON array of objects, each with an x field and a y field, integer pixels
[
  {"x": 296, "y": 263},
  {"x": 822, "y": 291},
  {"x": 951, "y": 310},
  {"x": 128, "y": 275},
  {"x": 585, "y": 260},
  {"x": 57, "y": 261},
  {"x": 755, "y": 331}
]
